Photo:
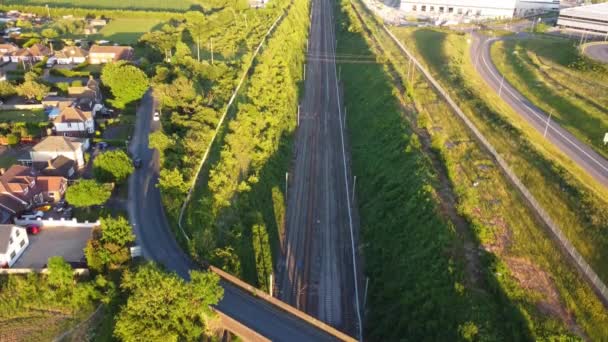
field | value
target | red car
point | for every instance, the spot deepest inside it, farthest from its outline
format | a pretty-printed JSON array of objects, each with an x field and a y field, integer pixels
[{"x": 33, "y": 229}]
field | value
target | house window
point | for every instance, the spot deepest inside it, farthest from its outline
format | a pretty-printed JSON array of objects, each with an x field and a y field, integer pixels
[
  {"x": 17, "y": 233},
  {"x": 13, "y": 255},
  {"x": 414, "y": 8},
  {"x": 69, "y": 125},
  {"x": 423, "y": 8},
  {"x": 21, "y": 243},
  {"x": 478, "y": 13},
  {"x": 432, "y": 9},
  {"x": 10, "y": 241},
  {"x": 450, "y": 9},
  {"x": 460, "y": 11},
  {"x": 441, "y": 9}
]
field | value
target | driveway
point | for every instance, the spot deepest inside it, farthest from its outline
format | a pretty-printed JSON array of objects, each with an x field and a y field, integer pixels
[{"x": 59, "y": 241}]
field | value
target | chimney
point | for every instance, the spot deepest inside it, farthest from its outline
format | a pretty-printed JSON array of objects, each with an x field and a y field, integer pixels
[
  {"x": 2, "y": 170},
  {"x": 50, "y": 163}
]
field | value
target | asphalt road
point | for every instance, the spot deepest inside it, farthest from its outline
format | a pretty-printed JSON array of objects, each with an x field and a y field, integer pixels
[
  {"x": 318, "y": 272},
  {"x": 598, "y": 52},
  {"x": 154, "y": 235},
  {"x": 580, "y": 153}
]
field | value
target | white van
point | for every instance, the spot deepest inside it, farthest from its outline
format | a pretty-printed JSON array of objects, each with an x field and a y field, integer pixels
[{"x": 33, "y": 216}]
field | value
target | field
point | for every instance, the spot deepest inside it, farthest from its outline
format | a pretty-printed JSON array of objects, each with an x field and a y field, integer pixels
[
  {"x": 23, "y": 116},
  {"x": 127, "y": 30},
  {"x": 176, "y": 5},
  {"x": 550, "y": 72}
]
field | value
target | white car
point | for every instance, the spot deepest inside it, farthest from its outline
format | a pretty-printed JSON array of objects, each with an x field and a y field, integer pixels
[
  {"x": 156, "y": 116},
  {"x": 33, "y": 216}
]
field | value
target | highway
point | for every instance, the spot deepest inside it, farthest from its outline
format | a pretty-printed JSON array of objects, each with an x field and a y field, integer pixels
[
  {"x": 154, "y": 235},
  {"x": 581, "y": 154},
  {"x": 319, "y": 273}
]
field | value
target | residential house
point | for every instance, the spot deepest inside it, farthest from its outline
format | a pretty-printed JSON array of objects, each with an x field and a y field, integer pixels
[
  {"x": 39, "y": 52},
  {"x": 21, "y": 187},
  {"x": 6, "y": 51},
  {"x": 52, "y": 147},
  {"x": 74, "y": 122},
  {"x": 60, "y": 166},
  {"x": 21, "y": 55},
  {"x": 71, "y": 55},
  {"x": 87, "y": 95},
  {"x": 99, "y": 54},
  {"x": 57, "y": 102},
  {"x": 13, "y": 241}
]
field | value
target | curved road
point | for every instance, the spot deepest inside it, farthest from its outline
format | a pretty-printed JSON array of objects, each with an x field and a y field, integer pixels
[
  {"x": 598, "y": 52},
  {"x": 583, "y": 155},
  {"x": 154, "y": 236}
]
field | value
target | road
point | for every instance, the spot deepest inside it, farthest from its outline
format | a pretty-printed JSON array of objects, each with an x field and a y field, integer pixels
[
  {"x": 581, "y": 154},
  {"x": 598, "y": 52},
  {"x": 154, "y": 235},
  {"x": 318, "y": 271}
]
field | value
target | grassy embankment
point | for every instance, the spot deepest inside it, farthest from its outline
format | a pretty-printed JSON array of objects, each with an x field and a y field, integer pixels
[
  {"x": 521, "y": 260},
  {"x": 499, "y": 217},
  {"x": 555, "y": 77},
  {"x": 127, "y": 30},
  {"x": 237, "y": 210},
  {"x": 402, "y": 225}
]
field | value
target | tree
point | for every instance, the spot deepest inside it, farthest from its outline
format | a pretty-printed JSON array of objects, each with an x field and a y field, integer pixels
[
  {"x": 61, "y": 275},
  {"x": 126, "y": 82},
  {"x": 31, "y": 88},
  {"x": 263, "y": 258},
  {"x": 112, "y": 166},
  {"x": 49, "y": 33},
  {"x": 6, "y": 89},
  {"x": 87, "y": 193},
  {"x": 163, "y": 307},
  {"x": 116, "y": 230}
]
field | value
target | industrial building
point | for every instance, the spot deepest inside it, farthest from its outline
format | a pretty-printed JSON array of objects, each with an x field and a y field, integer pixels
[
  {"x": 477, "y": 9},
  {"x": 591, "y": 18}
]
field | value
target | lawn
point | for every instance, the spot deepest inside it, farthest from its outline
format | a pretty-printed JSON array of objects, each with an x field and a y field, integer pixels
[
  {"x": 177, "y": 5},
  {"x": 23, "y": 116},
  {"x": 127, "y": 30},
  {"x": 551, "y": 74}
]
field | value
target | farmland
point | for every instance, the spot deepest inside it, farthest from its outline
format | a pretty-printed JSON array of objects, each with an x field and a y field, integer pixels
[
  {"x": 176, "y": 5},
  {"x": 127, "y": 30}
]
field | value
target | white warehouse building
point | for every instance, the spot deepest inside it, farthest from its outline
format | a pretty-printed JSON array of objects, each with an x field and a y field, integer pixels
[
  {"x": 591, "y": 19},
  {"x": 478, "y": 9}
]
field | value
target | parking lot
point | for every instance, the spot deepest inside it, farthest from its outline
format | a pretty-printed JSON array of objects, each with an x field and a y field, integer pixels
[{"x": 62, "y": 241}]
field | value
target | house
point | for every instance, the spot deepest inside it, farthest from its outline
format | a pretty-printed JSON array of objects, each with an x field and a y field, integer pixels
[
  {"x": 6, "y": 51},
  {"x": 52, "y": 147},
  {"x": 97, "y": 22},
  {"x": 74, "y": 122},
  {"x": 39, "y": 52},
  {"x": 21, "y": 187},
  {"x": 90, "y": 91},
  {"x": 21, "y": 55},
  {"x": 60, "y": 166},
  {"x": 57, "y": 102},
  {"x": 99, "y": 54},
  {"x": 13, "y": 241},
  {"x": 71, "y": 55}
]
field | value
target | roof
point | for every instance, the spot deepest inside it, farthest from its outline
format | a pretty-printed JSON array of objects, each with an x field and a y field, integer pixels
[
  {"x": 71, "y": 114},
  {"x": 58, "y": 101},
  {"x": 22, "y": 52},
  {"x": 11, "y": 204},
  {"x": 51, "y": 183},
  {"x": 60, "y": 166},
  {"x": 82, "y": 91},
  {"x": 39, "y": 50},
  {"x": 71, "y": 51},
  {"x": 58, "y": 144},
  {"x": 596, "y": 11},
  {"x": 8, "y": 47},
  {"x": 16, "y": 179},
  {"x": 118, "y": 51}
]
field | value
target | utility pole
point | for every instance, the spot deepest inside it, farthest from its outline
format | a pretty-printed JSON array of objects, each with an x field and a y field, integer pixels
[
  {"x": 501, "y": 83},
  {"x": 547, "y": 126},
  {"x": 286, "y": 182},
  {"x": 304, "y": 74},
  {"x": 354, "y": 189},
  {"x": 270, "y": 285}
]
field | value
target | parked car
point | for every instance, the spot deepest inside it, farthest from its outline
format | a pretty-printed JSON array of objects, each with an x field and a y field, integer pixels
[
  {"x": 32, "y": 216},
  {"x": 33, "y": 229},
  {"x": 51, "y": 61},
  {"x": 156, "y": 116},
  {"x": 102, "y": 145}
]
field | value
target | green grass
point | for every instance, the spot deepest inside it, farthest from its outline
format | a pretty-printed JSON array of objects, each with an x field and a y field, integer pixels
[
  {"x": 7, "y": 161},
  {"x": 33, "y": 116},
  {"x": 497, "y": 213},
  {"x": 179, "y": 5},
  {"x": 550, "y": 72},
  {"x": 127, "y": 30}
]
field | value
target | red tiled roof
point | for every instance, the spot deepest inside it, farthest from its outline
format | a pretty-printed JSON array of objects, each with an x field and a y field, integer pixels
[{"x": 71, "y": 114}]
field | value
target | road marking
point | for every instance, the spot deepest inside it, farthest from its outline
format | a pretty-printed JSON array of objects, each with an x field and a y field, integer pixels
[{"x": 531, "y": 110}]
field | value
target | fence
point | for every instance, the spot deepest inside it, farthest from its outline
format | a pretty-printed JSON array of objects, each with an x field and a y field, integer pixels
[
  {"x": 582, "y": 265},
  {"x": 21, "y": 106},
  {"x": 73, "y": 223}
]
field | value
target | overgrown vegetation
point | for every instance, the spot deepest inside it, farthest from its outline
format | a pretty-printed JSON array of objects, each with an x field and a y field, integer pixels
[
  {"x": 234, "y": 212},
  {"x": 553, "y": 75},
  {"x": 539, "y": 292}
]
